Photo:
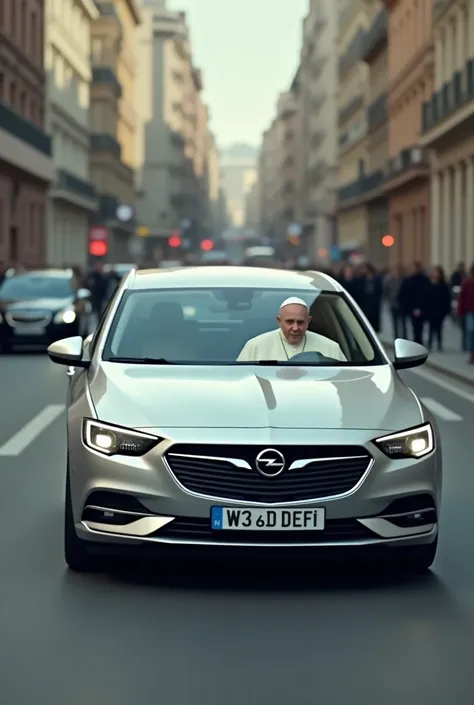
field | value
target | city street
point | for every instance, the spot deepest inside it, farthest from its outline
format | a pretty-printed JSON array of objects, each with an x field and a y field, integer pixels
[{"x": 231, "y": 636}]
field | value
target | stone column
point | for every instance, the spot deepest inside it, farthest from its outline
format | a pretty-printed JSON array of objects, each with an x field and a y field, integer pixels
[
  {"x": 459, "y": 38},
  {"x": 447, "y": 224},
  {"x": 468, "y": 255},
  {"x": 458, "y": 215},
  {"x": 439, "y": 69},
  {"x": 436, "y": 240}
]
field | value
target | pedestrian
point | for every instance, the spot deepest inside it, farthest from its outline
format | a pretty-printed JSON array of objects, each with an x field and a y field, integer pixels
[
  {"x": 438, "y": 306},
  {"x": 391, "y": 290},
  {"x": 413, "y": 298},
  {"x": 98, "y": 284},
  {"x": 466, "y": 311},
  {"x": 371, "y": 292}
]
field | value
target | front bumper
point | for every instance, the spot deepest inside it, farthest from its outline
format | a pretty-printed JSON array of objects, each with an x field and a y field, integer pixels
[
  {"x": 139, "y": 501},
  {"x": 38, "y": 336}
]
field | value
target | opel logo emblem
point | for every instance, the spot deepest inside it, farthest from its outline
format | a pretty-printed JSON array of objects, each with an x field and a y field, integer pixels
[{"x": 270, "y": 462}]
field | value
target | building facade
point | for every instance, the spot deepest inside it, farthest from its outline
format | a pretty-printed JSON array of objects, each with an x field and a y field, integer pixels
[
  {"x": 113, "y": 120},
  {"x": 318, "y": 87},
  {"x": 269, "y": 177},
  {"x": 411, "y": 78},
  {"x": 354, "y": 169},
  {"x": 173, "y": 158},
  {"x": 239, "y": 173},
  {"x": 448, "y": 130},
  {"x": 26, "y": 167},
  {"x": 287, "y": 115},
  {"x": 73, "y": 198},
  {"x": 376, "y": 56}
]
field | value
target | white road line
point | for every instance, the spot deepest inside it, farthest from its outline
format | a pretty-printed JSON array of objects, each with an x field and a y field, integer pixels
[
  {"x": 26, "y": 435},
  {"x": 439, "y": 410},
  {"x": 445, "y": 383}
]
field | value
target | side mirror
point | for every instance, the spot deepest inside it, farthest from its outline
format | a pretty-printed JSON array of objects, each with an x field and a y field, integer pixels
[
  {"x": 408, "y": 354},
  {"x": 82, "y": 294},
  {"x": 68, "y": 351}
]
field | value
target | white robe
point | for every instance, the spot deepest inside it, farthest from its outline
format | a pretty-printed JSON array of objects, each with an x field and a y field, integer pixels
[{"x": 274, "y": 346}]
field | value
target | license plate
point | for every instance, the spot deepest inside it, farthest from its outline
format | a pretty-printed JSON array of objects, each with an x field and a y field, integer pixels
[
  {"x": 29, "y": 330},
  {"x": 257, "y": 519}
]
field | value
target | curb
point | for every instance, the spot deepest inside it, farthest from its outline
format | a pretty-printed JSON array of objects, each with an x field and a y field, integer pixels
[{"x": 435, "y": 366}]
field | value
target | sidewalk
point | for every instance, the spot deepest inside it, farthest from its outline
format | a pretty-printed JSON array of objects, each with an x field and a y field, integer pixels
[{"x": 451, "y": 362}]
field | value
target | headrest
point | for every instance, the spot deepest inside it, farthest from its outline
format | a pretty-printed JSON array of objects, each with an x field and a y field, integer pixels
[{"x": 165, "y": 311}]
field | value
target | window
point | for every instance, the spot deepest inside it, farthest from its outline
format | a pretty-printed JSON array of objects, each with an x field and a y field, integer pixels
[
  {"x": 211, "y": 326},
  {"x": 13, "y": 95},
  {"x": 31, "y": 286}
]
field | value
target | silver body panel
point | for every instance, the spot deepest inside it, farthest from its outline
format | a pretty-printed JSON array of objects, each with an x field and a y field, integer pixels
[{"x": 239, "y": 406}]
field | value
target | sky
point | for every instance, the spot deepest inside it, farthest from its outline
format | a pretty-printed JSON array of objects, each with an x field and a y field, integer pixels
[{"x": 248, "y": 53}]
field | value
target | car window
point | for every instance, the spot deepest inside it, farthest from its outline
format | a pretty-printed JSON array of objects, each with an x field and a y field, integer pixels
[
  {"x": 211, "y": 326},
  {"x": 27, "y": 286}
]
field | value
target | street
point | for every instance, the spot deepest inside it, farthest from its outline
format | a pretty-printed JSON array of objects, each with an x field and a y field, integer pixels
[{"x": 246, "y": 636}]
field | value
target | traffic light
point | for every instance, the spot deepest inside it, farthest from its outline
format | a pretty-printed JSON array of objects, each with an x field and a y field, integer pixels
[
  {"x": 98, "y": 248},
  {"x": 174, "y": 241},
  {"x": 207, "y": 245},
  {"x": 388, "y": 241}
]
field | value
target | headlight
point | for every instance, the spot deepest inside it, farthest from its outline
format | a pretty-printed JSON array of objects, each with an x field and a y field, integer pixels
[
  {"x": 66, "y": 316},
  {"x": 114, "y": 440},
  {"x": 413, "y": 443}
]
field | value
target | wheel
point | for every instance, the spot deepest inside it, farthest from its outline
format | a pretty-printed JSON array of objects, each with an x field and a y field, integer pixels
[
  {"x": 75, "y": 549},
  {"x": 418, "y": 559}
]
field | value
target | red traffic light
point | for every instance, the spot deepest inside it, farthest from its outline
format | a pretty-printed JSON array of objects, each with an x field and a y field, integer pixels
[
  {"x": 388, "y": 241},
  {"x": 98, "y": 248},
  {"x": 207, "y": 245},
  {"x": 174, "y": 241}
]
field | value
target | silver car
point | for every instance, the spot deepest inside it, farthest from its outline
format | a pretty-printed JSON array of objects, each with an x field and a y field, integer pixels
[{"x": 173, "y": 446}]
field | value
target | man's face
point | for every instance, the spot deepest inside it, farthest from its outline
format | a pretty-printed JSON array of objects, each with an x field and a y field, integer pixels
[{"x": 294, "y": 320}]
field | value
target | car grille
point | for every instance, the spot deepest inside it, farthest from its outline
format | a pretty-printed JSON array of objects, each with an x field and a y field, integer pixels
[
  {"x": 196, "y": 529},
  {"x": 209, "y": 470},
  {"x": 29, "y": 317}
]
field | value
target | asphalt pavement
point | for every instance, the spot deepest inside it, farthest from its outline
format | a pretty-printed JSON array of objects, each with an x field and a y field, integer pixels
[{"x": 214, "y": 634}]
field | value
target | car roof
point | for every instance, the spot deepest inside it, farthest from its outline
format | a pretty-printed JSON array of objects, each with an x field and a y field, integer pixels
[
  {"x": 230, "y": 276},
  {"x": 64, "y": 273}
]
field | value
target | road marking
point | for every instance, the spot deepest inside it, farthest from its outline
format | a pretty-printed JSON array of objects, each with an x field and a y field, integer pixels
[
  {"x": 444, "y": 383},
  {"x": 22, "y": 439},
  {"x": 439, "y": 410}
]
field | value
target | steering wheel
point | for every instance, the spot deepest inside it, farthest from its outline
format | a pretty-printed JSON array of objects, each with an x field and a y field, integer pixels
[{"x": 311, "y": 358}]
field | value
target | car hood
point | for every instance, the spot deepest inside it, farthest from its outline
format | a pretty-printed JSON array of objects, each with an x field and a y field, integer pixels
[
  {"x": 242, "y": 397},
  {"x": 34, "y": 304}
]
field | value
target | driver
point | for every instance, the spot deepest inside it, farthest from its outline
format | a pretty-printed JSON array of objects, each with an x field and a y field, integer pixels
[{"x": 291, "y": 338}]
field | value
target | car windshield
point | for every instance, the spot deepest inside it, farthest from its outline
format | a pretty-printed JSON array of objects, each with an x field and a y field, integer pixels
[
  {"x": 211, "y": 326},
  {"x": 36, "y": 286}
]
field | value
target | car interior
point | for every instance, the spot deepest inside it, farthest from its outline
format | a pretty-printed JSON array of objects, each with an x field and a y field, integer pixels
[{"x": 204, "y": 327}]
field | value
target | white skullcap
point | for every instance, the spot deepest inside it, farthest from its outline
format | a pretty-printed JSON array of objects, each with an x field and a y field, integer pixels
[{"x": 294, "y": 300}]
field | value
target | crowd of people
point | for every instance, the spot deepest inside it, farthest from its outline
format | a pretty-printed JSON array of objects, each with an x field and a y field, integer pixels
[{"x": 419, "y": 300}]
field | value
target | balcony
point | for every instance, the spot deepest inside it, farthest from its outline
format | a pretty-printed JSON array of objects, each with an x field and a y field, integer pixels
[
  {"x": 412, "y": 163},
  {"x": 70, "y": 182},
  {"x": 317, "y": 173},
  {"x": 362, "y": 190},
  {"x": 350, "y": 108},
  {"x": 353, "y": 135},
  {"x": 377, "y": 112},
  {"x": 70, "y": 188},
  {"x": 453, "y": 96},
  {"x": 24, "y": 130},
  {"x": 105, "y": 143},
  {"x": 103, "y": 74},
  {"x": 376, "y": 36},
  {"x": 318, "y": 100},
  {"x": 353, "y": 54}
]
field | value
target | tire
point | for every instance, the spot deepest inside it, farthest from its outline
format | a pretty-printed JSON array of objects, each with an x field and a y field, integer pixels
[
  {"x": 75, "y": 549},
  {"x": 418, "y": 559}
]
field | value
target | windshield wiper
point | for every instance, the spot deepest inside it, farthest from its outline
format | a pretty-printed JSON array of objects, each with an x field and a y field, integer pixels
[{"x": 142, "y": 360}]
